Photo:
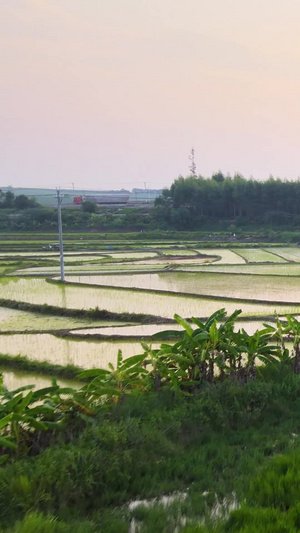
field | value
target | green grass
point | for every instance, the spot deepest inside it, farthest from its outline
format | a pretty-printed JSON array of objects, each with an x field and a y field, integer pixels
[{"x": 209, "y": 446}]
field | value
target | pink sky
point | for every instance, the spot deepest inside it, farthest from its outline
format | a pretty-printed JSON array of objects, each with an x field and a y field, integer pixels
[{"x": 114, "y": 93}]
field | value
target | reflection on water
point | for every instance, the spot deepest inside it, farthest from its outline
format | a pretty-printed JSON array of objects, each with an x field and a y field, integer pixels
[
  {"x": 235, "y": 286},
  {"x": 45, "y": 347},
  {"x": 38, "y": 291}
]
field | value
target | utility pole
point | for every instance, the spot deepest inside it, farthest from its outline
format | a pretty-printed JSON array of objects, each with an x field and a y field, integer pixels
[{"x": 61, "y": 249}]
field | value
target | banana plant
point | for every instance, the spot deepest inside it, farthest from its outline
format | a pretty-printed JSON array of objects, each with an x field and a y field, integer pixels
[
  {"x": 193, "y": 359},
  {"x": 115, "y": 382},
  {"x": 291, "y": 328},
  {"x": 253, "y": 347},
  {"x": 24, "y": 411}
]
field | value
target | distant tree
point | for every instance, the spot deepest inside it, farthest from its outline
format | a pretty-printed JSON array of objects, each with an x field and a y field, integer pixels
[
  {"x": 23, "y": 202},
  {"x": 8, "y": 201},
  {"x": 89, "y": 206},
  {"x": 218, "y": 176}
]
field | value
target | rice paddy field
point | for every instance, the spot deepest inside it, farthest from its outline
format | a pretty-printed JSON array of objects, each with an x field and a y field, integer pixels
[{"x": 118, "y": 293}]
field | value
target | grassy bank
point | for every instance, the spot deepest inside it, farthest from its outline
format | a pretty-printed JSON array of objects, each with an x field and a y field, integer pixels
[
  {"x": 207, "y": 446},
  {"x": 92, "y": 314},
  {"x": 21, "y": 363}
]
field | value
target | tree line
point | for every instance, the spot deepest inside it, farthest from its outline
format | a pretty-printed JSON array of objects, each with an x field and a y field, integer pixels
[
  {"x": 191, "y": 203},
  {"x": 9, "y": 201},
  {"x": 191, "y": 200}
]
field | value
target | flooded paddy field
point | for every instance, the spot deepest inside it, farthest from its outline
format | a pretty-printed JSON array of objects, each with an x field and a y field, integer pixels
[
  {"x": 276, "y": 269},
  {"x": 39, "y": 291},
  {"x": 218, "y": 275},
  {"x": 94, "y": 267},
  {"x": 290, "y": 254},
  {"x": 151, "y": 329},
  {"x": 257, "y": 255},
  {"x": 15, "y": 320},
  {"x": 223, "y": 255},
  {"x": 234, "y": 286},
  {"x": 64, "y": 351}
]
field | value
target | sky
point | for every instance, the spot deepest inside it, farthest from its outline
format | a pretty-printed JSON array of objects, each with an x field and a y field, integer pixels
[{"x": 112, "y": 94}]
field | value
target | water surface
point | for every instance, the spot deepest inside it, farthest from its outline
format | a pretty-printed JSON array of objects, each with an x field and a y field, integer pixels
[
  {"x": 38, "y": 291},
  {"x": 233, "y": 286},
  {"x": 85, "y": 354}
]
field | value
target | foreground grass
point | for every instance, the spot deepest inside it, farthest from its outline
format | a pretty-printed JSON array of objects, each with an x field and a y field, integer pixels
[{"x": 207, "y": 446}]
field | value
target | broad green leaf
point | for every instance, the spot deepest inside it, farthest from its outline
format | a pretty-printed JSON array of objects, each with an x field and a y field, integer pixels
[
  {"x": 93, "y": 372},
  {"x": 185, "y": 324},
  {"x": 66, "y": 390},
  {"x": 41, "y": 410},
  {"x": 198, "y": 323},
  {"x": 132, "y": 361},
  {"x": 5, "y": 420},
  {"x": 213, "y": 333},
  {"x": 5, "y": 442},
  {"x": 204, "y": 335},
  {"x": 21, "y": 389},
  {"x": 24, "y": 403},
  {"x": 10, "y": 405},
  {"x": 221, "y": 313},
  {"x": 167, "y": 334},
  {"x": 41, "y": 393}
]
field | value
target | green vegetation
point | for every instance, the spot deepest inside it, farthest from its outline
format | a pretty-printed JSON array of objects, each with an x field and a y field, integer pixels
[
  {"x": 9, "y": 201},
  {"x": 195, "y": 202},
  {"x": 19, "y": 362},
  {"x": 192, "y": 203},
  {"x": 198, "y": 416}
]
